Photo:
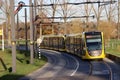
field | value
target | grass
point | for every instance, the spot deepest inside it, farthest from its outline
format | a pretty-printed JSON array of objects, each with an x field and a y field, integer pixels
[
  {"x": 113, "y": 47},
  {"x": 21, "y": 41},
  {"x": 22, "y": 65},
  {"x": 113, "y": 51}
]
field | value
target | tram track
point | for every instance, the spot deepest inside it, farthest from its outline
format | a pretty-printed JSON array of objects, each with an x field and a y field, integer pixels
[
  {"x": 90, "y": 71},
  {"x": 62, "y": 66},
  {"x": 99, "y": 70},
  {"x": 110, "y": 71},
  {"x": 58, "y": 66}
]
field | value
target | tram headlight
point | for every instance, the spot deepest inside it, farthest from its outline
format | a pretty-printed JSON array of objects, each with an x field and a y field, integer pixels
[{"x": 95, "y": 53}]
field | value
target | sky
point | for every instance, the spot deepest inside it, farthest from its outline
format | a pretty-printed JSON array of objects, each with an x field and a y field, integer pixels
[
  {"x": 78, "y": 9},
  {"x": 21, "y": 13},
  {"x": 48, "y": 9}
]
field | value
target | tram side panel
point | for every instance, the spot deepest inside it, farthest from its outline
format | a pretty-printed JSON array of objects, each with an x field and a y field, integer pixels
[
  {"x": 56, "y": 43},
  {"x": 67, "y": 44},
  {"x": 61, "y": 43},
  {"x": 71, "y": 45},
  {"x": 50, "y": 43},
  {"x": 45, "y": 43},
  {"x": 79, "y": 47}
]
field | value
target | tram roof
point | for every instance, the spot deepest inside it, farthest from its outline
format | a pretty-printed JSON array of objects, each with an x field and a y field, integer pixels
[
  {"x": 74, "y": 35},
  {"x": 92, "y": 32},
  {"x": 52, "y": 35}
]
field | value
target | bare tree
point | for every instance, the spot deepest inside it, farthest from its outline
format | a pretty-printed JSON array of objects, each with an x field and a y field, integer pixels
[
  {"x": 66, "y": 11},
  {"x": 97, "y": 12},
  {"x": 40, "y": 12},
  {"x": 110, "y": 11},
  {"x": 87, "y": 11},
  {"x": 6, "y": 10},
  {"x": 54, "y": 9}
]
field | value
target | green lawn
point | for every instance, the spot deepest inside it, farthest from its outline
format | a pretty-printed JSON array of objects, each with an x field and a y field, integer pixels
[
  {"x": 23, "y": 66},
  {"x": 113, "y": 51},
  {"x": 113, "y": 47}
]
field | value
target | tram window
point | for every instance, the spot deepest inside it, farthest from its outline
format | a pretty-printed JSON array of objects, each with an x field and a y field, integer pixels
[
  {"x": 93, "y": 36},
  {"x": 93, "y": 40},
  {"x": 94, "y": 46}
]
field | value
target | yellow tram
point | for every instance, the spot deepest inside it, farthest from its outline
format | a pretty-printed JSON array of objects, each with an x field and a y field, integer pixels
[
  {"x": 93, "y": 45},
  {"x": 87, "y": 45}
]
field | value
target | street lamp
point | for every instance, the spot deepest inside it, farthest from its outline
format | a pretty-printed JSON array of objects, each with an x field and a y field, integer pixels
[{"x": 20, "y": 5}]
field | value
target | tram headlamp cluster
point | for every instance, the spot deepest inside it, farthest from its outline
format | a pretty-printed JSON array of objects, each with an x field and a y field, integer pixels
[{"x": 95, "y": 53}]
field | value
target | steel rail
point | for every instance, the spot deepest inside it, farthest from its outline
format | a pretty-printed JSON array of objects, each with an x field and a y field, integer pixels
[
  {"x": 110, "y": 70},
  {"x": 90, "y": 71}
]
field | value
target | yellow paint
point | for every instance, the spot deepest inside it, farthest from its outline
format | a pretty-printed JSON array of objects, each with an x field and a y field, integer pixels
[
  {"x": 1, "y": 32},
  {"x": 13, "y": 43},
  {"x": 31, "y": 42}
]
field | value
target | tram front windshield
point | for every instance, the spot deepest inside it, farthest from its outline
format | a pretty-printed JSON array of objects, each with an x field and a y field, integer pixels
[{"x": 94, "y": 42}]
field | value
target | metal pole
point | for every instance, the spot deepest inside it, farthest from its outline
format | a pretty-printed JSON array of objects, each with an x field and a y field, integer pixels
[
  {"x": 40, "y": 31},
  {"x": 35, "y": 13},
  {"x": 18, "y": 30},
  {"x": 35, "y": 29},
  {"x": 26, "y": 42},
  {"x": 118, "y": 20},
  {"x": 31, "y": 33},
  {"x": 41, "y": 2},
  {"x": 98, "y": 14},
  {"x": 7, "y": 29},
  {"x": 13, "y": 36}
]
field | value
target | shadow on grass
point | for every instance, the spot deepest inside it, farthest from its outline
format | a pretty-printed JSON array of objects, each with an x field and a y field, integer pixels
[{"x": 13, "y": 77}]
